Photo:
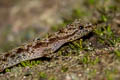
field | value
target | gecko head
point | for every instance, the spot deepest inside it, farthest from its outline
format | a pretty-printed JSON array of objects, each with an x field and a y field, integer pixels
[
  {"x": 80, "y": 28},
  {"x": 87, "y": 27},
  {"x": 83, "y": 27}
]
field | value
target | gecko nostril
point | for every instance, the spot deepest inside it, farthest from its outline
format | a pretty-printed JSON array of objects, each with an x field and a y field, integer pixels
[{"x": 80, "y": 27}]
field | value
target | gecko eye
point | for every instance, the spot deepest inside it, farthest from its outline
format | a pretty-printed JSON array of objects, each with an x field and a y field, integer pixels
[{"x": 80, "y": 27}]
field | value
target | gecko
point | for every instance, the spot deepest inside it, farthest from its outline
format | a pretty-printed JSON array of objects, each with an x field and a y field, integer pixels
[{"x": 41, "y": 48}]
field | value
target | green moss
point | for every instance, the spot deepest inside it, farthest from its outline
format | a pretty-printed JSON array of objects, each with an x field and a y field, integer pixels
[
  {"x": 109, "y": 74},
  {"x": 64, "y": 69},
  {"x": 106, "y": 35},
  {"x": 52, "y": 78},
  {"x": 77, "y": 45},
  {"x": 78, "y": 13},
  {"x": 117, "y": 52},
  {"x": 92, "y": 73},
  {"x": 89, "y": 60},
  {"x": 91, "y": 1},
  {"x": 95, "y": 61},
  {"x": 58, "y": 26},
  {"x": 7, "y": 70},
  {"x": 30, "y": 63},
  {"x": 104, "y": 18},
  {"x": 43, "y": 75},
  {"x": 86, "y": 59}
]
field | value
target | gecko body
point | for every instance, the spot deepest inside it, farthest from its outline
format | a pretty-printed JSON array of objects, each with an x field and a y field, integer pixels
[{"x": 41, "y": 48}]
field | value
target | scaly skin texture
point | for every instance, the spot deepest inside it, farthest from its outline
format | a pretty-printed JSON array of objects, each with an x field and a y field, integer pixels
[{"x": 41, "y": 48}]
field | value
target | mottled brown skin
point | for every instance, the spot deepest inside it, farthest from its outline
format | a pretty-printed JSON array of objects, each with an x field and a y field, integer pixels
[{"x": 41, "y": 48}]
